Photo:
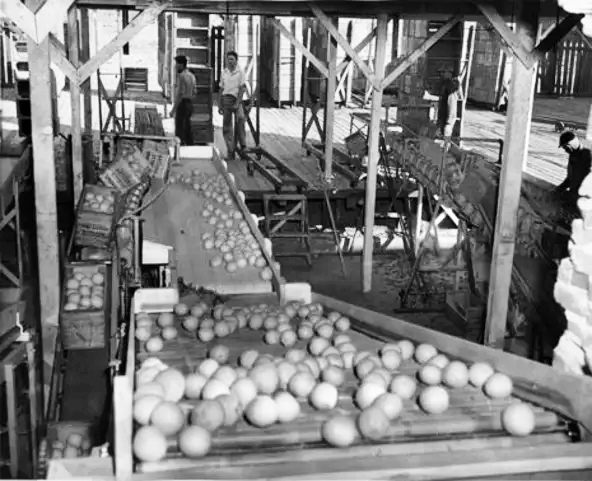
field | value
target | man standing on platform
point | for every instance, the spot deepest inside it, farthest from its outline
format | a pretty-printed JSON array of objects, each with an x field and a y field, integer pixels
[
  {"x": 183, "y": 107},
  {"x": 448, "y": 102},
  {"x": 232, "y": 89},
  {"x": 578, "y": 168}
]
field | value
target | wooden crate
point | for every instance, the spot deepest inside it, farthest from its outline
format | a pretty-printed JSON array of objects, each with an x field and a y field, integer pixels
[
  {"x": 128, "y": 170},
  {"x": 467, "y": 312},
  {"x": 85, "y": 328},
  {"x": 158, "y": 158},
  {"x": 93, "y": 230},
  {"x": 98, "y": 190}
]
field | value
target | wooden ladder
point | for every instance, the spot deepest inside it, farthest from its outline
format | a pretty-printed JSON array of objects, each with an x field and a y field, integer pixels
[{"x": 294, "y": 211}]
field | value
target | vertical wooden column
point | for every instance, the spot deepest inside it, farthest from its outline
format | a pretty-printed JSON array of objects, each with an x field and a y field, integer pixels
[
  {"x": 373, "y": 154},
  {"x": 330, "y": 102},
  {"x": 85, "y": 57},
  {"x": 229, "y": 37},
  {"x": 45, "y": 204},
  {"x": 76, "y": 129},
  {"x": 518, "y": 123}
]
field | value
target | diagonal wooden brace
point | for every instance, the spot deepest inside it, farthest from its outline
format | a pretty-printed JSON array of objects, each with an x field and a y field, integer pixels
[
  {"x": 361, "y": 46},
  {"x": 21, "y": 15},
  {"x": 320, "y": 66},
  {"x": 57, "y": 53},
  {"x": 420, "y": 51},
  {"x": 144, "y": 19},
  {"x": 557, "y": 33},
  {"x": 49, "y": 15},
  {"x": 516, "y": 46},
  {"x": 344, "y": 44}
]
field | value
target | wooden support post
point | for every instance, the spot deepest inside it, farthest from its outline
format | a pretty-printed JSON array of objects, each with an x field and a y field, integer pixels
[
  {"x": 229, "y": 31},
  {"x": 85, "y": 57},
  {"x": 518, "y": 122},
  {"x": 45, "y": 204},
  {"x": 330, "y": 104},
  {"x": 373, "y": 153},
  {"x": 76, "y": 129}
]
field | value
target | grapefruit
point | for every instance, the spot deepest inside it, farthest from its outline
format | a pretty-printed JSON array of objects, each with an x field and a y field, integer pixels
[
  {"x": 373, "y": 423},
  {"x": 340, "y": 431},
  {"x": 168, "y": 417},
  {"x": 195, "y": 441},
  {"x": 208, "y": 414},
  {"x": 150, "y": 445},
  {"x": 262, "y": 412}
]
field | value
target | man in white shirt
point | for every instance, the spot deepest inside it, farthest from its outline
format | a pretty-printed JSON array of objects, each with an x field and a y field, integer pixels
[
  {"x": 183, "y": 107},
  {"x": 232, "y": 90}
]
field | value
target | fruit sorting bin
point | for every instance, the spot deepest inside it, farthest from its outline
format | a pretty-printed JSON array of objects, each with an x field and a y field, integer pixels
[{"x": 465, "y": 442}]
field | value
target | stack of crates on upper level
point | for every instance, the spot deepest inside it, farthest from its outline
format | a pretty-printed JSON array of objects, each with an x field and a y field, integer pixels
[{"x": 191, "y": 38}]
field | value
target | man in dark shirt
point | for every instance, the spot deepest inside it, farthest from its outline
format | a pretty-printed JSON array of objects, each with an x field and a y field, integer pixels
[
  {"x": 448, "y": 102},
  {"x": 578, "y": 168}
]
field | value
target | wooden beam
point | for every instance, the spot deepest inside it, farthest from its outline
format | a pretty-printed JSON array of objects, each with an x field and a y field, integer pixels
[
  {"x": 320, "y": 66},
  {"x": 344, "y": 44},
  {"x": 20, "y": 15},
  {"x": 359, "y": 48},
  {"x": 373, "y": 152},
  {"x": 556, "y": 35},
  {"x": 585, "y": 38},
  {"x": 50, "y": 14},
  {"x": 512, "y": 40},
  {"x": 85, "y": 57},
  {"x": 45, "y": 203},
  {"x": 330, "y": 104},
  {"x": 144, "y": 19},
  {"x": 518, "y": 123},
  {"x": 76, "y": 129},
  {"x": 420, "y": 51},
  {"x": 58, "y": 57}
]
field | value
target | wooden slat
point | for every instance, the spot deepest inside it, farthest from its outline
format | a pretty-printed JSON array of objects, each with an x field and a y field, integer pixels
[{"x": 76, "y": 107}]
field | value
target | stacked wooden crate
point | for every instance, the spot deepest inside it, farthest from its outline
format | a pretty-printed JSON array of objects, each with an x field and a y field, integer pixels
[
  {"x": 96, "y": 212},
  {"x": 192, "y": 39},
  {"x": 281, "y": 67},
  {"x": 573, "y": 291}
]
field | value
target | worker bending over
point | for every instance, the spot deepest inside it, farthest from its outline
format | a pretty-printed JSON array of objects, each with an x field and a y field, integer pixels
[
  {"x": 183, "y": 107},
  {"x": 232, "y": 89},
  {"x": 578, "y": 168},
  {"x": 448, "y": 102}
]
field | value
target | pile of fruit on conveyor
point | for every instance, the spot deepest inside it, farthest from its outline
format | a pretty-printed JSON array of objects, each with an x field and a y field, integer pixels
[{"x": 261, "y": 378}]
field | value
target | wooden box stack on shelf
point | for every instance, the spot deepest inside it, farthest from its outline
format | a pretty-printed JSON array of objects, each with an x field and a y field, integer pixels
[
  {"x": 573, "y": 291},
  {"x": 281, "y": 68},
  {"x": 85, "y": 305},
  {"x": 95, "y": 216}
]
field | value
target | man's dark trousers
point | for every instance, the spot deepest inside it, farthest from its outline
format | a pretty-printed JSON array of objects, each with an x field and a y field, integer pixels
[{"x": 183, "y": 122}]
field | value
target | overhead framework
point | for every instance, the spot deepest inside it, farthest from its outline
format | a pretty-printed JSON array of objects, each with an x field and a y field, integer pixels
[{"x": 36, "y": 18}]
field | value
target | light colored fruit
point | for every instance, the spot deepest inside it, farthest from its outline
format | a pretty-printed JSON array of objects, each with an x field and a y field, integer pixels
[
  {"x": 232, "y": 408},
  {"x": 165, "y": 319},
  {"x": 144, "y": 406},
  {"x": 518, "y": 419},
  {"x": 498, "y": 386},
  {"x": 190, "y": 323},
  {"x": 214, "y": 388},
  {"x": 208, "y": 367},
  {"x": 219, "y": 353},
  {"x": 262, "y": 412},
  {"x": 271, "y": 337},
  {"x": 317, "y": 345},
  {"x": 430, "y": 375},
  {"x": 367, "y": 393},
  {"x": 324, "y": 396},
  {"x": 479, "y": 373},
  {"x": 288, "y": 338},
  {"x": 341, "y": 339},
  {"x": 455, "y": 375},
  {"x": 302, "y": 384},
  {"x": 333, "y": 375},
  {"x": 373, "y": 423},
  {"x": 208, "y": 414},
  {"x": 245, "y": 391},
  {"x": 205, "y": 334},
  {"x": 425, "y": 352},
  {"x": 195, "y": 441},
  {"x": 313, "y": 366},
  {"x": 390, "y": 404},
  {"x": 440, "y": 361},
  {"x": 434, "y": 399},
  {"x": 342, "y": 324},
  {"x": 226, "y": 374},
  {"x": 391, "y": 359},
  {"x": 150, "y": 445},
  {"x": 348, "y": 359},
  {"x": 377, "y": 376},
  {"x": 295, "y": 355},
  {"x": 266, "y": 378},
  {"x": 194, "y": 384},
  {"x": 181, "y": 309},
  {"x": 149, "y": 389},
  {"x": 288, "y": 407},
  {"x": 143, "y": 333},
  {"x": 285, "y": 371},
  {"x": 247, "y": 358},
  {"x": 154, "y": 344},
  {"x": 364, "y": 367},
  {"x": 255, "y": 322},
  {"x": 407, "y": 349},
  {"x": 173, "y": 382},
  {"x": 168, "y": 417},
  {"x": 305, "y": 333},
  {"x": 340, "y": 431},
  {"x": 169, "y": 333},
  {"x": 403, "y": 386}
]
